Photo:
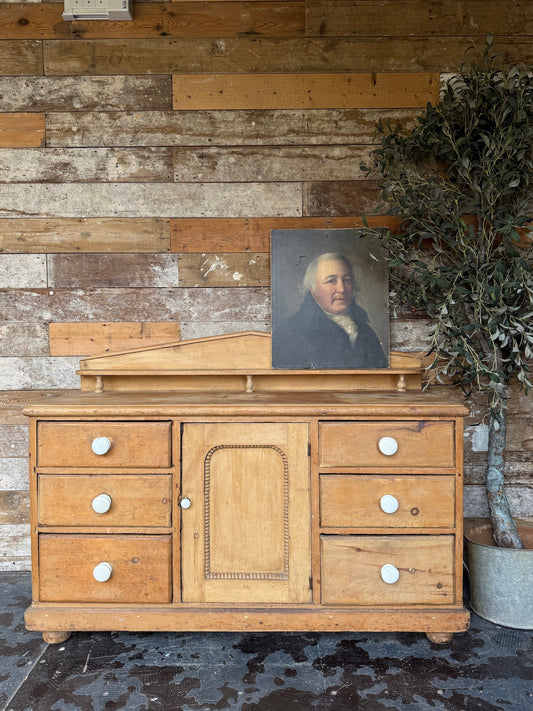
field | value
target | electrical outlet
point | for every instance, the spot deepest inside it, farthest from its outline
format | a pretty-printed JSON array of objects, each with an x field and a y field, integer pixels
[{"x": 97, "y": 10}]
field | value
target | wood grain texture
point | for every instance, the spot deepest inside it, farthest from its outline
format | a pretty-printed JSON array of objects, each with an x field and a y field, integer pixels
[
  {"x": 222, "y": 128},
  {"x": 417, "y": 18},
  {"x": 85, "y": 93},
  {"x": 160, "y": 19},
  {"x": 90, "y": 338},
  {"x": 14, "y": 508},
  {"x": 266, "y": 164},
  {"x": 86, "y": 165},
  {"x": 252, "y": 234},
  {"x": 21, "y": 130},
  {"x": 12, "y": 403},
  {"x": 296, "y": 91},
  {"x": 112, "y": 270},
  {"x": 206, "y": 56},
  {"x": 335, "y": 198},
  {"x": 151, "y": 200},
  {"x": 21, "y": 57},
  {"x": 83, "y": 235},
  {"x": 219, "y": 304},
  {"x": 224, "y": 269}
]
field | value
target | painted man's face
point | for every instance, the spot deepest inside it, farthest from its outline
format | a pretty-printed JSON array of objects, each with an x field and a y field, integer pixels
[{"x": 333, "y": 288}]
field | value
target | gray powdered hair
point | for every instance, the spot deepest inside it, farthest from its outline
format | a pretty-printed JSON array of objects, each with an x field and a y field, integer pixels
[{"x": 310, "y": 273}]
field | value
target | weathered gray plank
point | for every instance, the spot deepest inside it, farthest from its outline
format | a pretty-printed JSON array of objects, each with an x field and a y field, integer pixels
[
  {"x": 21, "y": 57},
  {"x": 13, "y": 441},
  {"x": 13, "y": 473},
  {"x": 221, "y": 128},
  {"x": 83, "y": 165},
  {"x": 113, "y": 270},
  {"x": 520, "y": 500},
  {"x": 15, "y": 547},
  {"x": 248, "y": 55},
  {"x": 151, "y": 200},
  {"x": 84, "y": 235},
  {"x": 336, "y": 198},
  {"x": 202, "y": 329},
  {"x": 38, "y": 373},
  {"x": 225, "y": 269},
  {"x": 181, "y": 304},
  {"x": 18, "y": 271},
  {"x": 14, "y": 507},
  {"x": 92, "y": 93},
  {"x": 269, "y": 163}
]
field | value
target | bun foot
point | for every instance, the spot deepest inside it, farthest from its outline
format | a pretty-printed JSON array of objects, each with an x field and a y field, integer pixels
[
  {"x": 55, "y": 637},
  {"x": 440, "y": 637}
]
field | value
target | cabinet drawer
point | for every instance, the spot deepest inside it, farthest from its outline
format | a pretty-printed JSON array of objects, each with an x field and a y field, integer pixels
[
  {"x": 353, "y": 500},
  {"x": 139, "y": 568},
  {"x": 387, "y": 444},
  {"x": 104, "y": 500},
  {"x": 355, "y": 570},
  {"x": 131, "y": 444}
]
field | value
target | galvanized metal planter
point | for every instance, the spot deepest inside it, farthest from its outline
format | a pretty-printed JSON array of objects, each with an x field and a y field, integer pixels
[{"x": 501, "y": 579}]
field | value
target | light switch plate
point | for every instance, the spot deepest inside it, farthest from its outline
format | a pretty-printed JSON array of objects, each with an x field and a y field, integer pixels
[{"x": 97, "y": 10}]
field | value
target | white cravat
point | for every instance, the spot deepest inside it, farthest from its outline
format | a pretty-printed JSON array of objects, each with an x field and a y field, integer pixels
[{"x": 348, "y": 325}]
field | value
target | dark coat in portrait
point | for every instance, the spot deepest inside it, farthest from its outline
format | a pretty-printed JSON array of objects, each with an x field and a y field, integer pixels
[{"x": 310, "y": 339}]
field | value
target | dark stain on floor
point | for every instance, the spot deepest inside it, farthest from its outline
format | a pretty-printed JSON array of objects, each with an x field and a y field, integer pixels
[{"x": 488, "y": 668}]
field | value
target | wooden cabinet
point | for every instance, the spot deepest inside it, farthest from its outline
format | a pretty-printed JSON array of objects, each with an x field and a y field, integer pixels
[{"x": 236, "y": 497}]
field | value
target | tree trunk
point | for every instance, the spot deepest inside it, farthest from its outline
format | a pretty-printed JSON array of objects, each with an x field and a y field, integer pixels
[{"x": 505, "y": 531}]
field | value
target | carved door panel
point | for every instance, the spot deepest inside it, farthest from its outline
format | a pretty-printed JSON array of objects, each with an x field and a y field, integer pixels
[{"x": 246, "y": 534}]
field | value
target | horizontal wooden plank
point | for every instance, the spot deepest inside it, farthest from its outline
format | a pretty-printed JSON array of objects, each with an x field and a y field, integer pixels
[
  {"x": 520, "y": 500},
  {"x": 30, "y": 373},
  {"x": 251, "y": 234},
  {"x": 86, "y": 165},
  {"x": 270, "y": 18},
  {"x": 422, "y": 18},
  {"x": 14, "y": 507},
  {"x": 202, "y": 329},
  {"x": 13, "y": 441},
  {"x": 518, "y": 467},
  {"x": 248, "y": 55},
  {"x": 13, "y": 473},
  {"x": 21, "y": 130},
  {"x": 22, "y": 338},
  {"x": 89, "y": 338},
  {"x": 151, "y": 200},
  {"x": 15, "y": 547},
  {"x": 112, "y": 270},
  {"x": 337, "y": 198},
  {"x": 222, "y": 128},
  {"x": 297, "y": 91},
  {"x": 21, "y": 271},
  {"x": 269, "y": 164},
  {"x": 21, "y": 57},
  {"x": 12, "y": 402},
  {"x": 232, "y": 269},
  {"x": 91, "y": 93},
  {"x": 84, "y": 235},
  {"x": 180, "y": 304}
]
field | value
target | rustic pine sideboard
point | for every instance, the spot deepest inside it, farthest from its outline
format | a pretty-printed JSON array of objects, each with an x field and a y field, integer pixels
[{"x": 189, "y": 486}]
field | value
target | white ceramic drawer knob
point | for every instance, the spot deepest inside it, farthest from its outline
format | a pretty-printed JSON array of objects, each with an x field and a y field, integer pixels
[
  {"x": 185, "y": 503},
  {"x": 388, "y": 446},
  {"x": 389, "y": 504},
  {"x": 390, "y": 574},
  {"x": 102, "y": 572},
  {"x": 101, "y": 503},
  {"x": 101, "y": 445}
]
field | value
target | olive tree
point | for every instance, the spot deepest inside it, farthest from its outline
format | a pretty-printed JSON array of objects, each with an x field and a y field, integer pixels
[{"x": 460, "y": 182}]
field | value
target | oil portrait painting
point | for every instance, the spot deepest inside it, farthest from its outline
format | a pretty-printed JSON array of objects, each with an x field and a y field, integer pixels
[{"x": 329, "y": 301}]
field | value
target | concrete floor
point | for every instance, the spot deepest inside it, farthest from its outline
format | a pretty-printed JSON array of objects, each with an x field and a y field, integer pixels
[{"x": 488, "y": 668}]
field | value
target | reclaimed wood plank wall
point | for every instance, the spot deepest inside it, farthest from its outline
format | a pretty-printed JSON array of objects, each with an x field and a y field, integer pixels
[{"x": 143, "y": 164}]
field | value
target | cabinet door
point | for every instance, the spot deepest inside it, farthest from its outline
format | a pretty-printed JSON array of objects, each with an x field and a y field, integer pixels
[{"x": 246, "y": 534}]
